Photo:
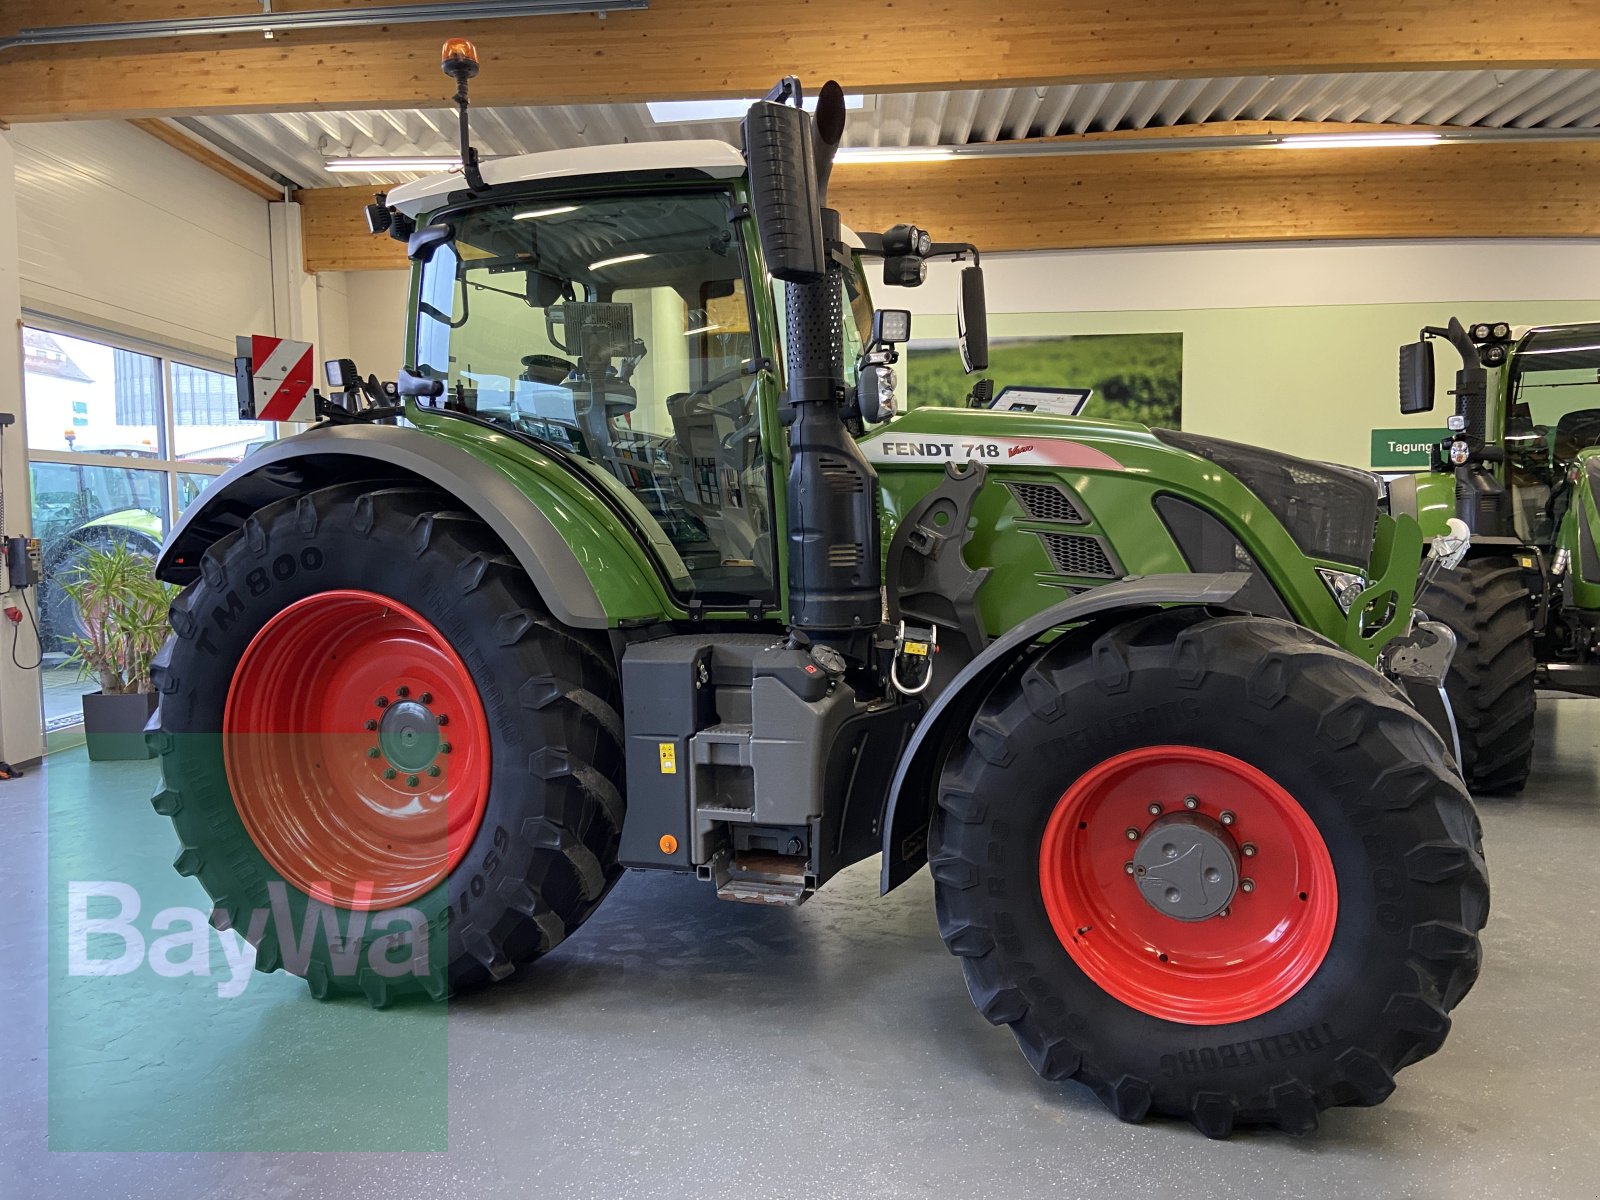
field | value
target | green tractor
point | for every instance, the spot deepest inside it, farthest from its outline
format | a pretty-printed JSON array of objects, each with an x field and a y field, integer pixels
[
  {"x": 634, "y": 587},
  {"x": 1519, "y": 470}
]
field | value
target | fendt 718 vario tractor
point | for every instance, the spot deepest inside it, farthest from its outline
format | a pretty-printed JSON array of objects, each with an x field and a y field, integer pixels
[
  {"x": 631, "y": 588},
  {"x": 1520, "y": 468}
]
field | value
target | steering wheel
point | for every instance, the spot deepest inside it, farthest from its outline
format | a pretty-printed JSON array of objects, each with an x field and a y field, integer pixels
[
  {"x": 546, "y": 368},
  {"x": 705, "y": 389}
]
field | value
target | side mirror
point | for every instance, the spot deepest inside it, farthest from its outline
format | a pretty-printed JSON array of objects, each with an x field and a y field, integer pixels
[
  {"x": 783, "y": 184},
  {"x": 1416, "y": 377},
  {"x": 972, "y": 321},
  {"x": 422, "y": 243},
  {"x": 891, "y": 327}
]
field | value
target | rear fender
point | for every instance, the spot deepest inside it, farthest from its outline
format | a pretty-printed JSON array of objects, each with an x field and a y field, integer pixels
[
  {"x": 388, "y": 455},
  {"x": 909, "y": 804}
]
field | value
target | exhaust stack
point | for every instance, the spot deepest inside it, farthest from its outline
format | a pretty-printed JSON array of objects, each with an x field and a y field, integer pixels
[{"x": 835, "y": 563}]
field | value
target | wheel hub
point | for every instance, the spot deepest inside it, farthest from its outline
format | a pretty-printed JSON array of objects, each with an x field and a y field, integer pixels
[
  {"x": 1188, "y": 884},
  {"x": 1186, "y": 867},
  {"x": 408, "y": 735},
  {"x": 334, "y": 743}
]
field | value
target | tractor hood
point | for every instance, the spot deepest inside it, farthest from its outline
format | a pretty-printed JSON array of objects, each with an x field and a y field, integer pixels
[{"x": 1330, "y": 511}]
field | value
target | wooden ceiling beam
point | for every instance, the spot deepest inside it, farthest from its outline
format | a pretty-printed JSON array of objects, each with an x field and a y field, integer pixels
[
  {"x": 722, "y": 48},
  {"x": 1161, "y": 198}
]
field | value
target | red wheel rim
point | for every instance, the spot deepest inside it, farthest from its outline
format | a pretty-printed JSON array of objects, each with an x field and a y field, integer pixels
[
  {"x": 1229, "y": 967},
  {"x": 357, "y": 749}
]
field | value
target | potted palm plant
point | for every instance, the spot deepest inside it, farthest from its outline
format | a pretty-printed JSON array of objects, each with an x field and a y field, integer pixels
[{"x": 123, "y": 610}]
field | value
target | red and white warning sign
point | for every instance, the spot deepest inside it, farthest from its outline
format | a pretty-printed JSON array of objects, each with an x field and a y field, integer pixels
[{"x": 274, "y": 379}]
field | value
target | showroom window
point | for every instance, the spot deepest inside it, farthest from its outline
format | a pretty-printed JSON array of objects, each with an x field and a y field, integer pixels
[{"x": 121, "y": 437}]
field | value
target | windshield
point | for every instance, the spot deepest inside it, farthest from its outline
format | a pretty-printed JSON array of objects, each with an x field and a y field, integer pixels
[
  {"x": 617, "y": 328},
  {"x": 1555, "y": 379}
]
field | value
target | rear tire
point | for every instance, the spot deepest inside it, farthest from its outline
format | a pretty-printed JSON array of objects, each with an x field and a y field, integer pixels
[
  {"x": 546, "y": 790},
  {"x": 1491, "y": 682},
  {"x": 1268, "y": 1042}
]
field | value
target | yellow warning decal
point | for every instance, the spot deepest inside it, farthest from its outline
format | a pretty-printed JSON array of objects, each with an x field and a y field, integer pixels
[
  {"x": 916, "y": 648},
  {"x": 669, "y": 758}
]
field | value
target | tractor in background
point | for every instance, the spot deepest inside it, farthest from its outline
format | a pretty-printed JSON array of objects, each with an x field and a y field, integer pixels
[
  {"x": 1520, "y": 468},
  {"x": 651, "y": 578}
]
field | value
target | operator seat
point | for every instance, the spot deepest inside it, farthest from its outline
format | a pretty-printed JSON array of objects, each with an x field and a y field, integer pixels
[
  {"x": 718, "y": 445},
  {"x": 1575, "y": 431}
]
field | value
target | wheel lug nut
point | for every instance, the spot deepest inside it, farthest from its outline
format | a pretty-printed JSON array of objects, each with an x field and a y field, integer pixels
[
  {"x": 373, "y": 752},
  {"x": 433, "y": 772},
  {"x": 444, "y": 719},
  {"x": 1227, "y": 818},
  {"x": 402, "y": 691},
  {"x": 1247, "y": 885},
  {"x": 371, "y": 725},
  {"x": 426, "y": 698},
  {"x": 444, "y": 747},
  {"x": 1248, "y": 849},
  {"x": 389, "y": 772},
  {"x": 1191, "y": 802},
  {"x": 1154, "y": 810},
  {"x": 1224, "y": 912},
  {"x": 1127, "y": 868},
  {"x": 412, "y": 781},
  {"x": 1133, "y": 834},
  {"x": 383, "y": 702}
]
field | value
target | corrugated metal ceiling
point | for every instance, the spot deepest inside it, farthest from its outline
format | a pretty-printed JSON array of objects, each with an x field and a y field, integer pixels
[{"x": 293, "y": 145}]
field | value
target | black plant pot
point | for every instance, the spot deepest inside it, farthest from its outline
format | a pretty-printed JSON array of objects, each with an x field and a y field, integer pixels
[{"x": 114, "y": 725}]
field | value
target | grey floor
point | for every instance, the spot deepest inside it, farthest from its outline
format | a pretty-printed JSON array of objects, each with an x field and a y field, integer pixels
[{"x": 678, "y": 1046}]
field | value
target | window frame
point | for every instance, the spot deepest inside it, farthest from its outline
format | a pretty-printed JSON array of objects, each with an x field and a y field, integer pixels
[{"x": 164, "y": 462}]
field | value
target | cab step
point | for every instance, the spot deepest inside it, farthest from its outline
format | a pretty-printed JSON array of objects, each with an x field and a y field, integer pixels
[{"x": 760, "y": 878}]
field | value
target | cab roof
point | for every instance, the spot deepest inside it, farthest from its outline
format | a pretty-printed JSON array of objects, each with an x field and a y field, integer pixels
[{"x": 710, "y": 159}]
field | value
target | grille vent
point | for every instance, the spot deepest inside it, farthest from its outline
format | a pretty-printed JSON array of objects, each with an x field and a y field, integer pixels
[
  {"x": 1079, "y": 554},
  {"x": 841, "y": 474},
  {"x": 1047, "y": 502},
  {"x": 844, "y": 554}
]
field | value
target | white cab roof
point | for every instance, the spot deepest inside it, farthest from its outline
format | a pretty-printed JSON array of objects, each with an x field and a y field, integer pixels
[{"x": 715, "y": 159}]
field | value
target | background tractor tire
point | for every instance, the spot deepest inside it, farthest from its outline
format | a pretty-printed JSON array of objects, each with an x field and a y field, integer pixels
[
  {"x": 487, "y": 715},
  {"x": 1309, "y": 989},
  {"x": 1485, "y": 603}
]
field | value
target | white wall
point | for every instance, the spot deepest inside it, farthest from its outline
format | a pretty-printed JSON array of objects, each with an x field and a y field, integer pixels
[
  {"x": 103, "y": 225},
  {"x": 123, "y": 232},
  {"x": 21, "y": 733},
  {"x": 375, "y": 334}
]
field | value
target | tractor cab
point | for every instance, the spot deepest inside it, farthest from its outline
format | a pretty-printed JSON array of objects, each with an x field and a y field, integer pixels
[
  {"x": 619, "y": 311},
  {"x": 619, "y": 327},
  {"x": 1551, "y": 403}
]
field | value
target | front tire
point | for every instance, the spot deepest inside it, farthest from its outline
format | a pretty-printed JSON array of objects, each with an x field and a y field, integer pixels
[
  {"x": 1492, "y": 676},
  {"x": 387, "y": 765},
  {"x": 1270, "y": 753}
]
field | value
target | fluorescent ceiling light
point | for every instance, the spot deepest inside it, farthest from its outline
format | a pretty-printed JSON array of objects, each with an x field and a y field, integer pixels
[
  {"x": 677, "y": 112},
  {"x": 545, "y": 212},
  {"x": 1333, "y": 141},
  {"x": 894, "y": 154},
  {"x": 621, "y": 258},
  {"x": 380, "y": 165}
]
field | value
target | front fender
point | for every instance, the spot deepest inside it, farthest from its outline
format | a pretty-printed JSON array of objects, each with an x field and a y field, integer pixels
[
  {"x": 328, "y": 455},
  {"x": 905, "y": 825}
]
